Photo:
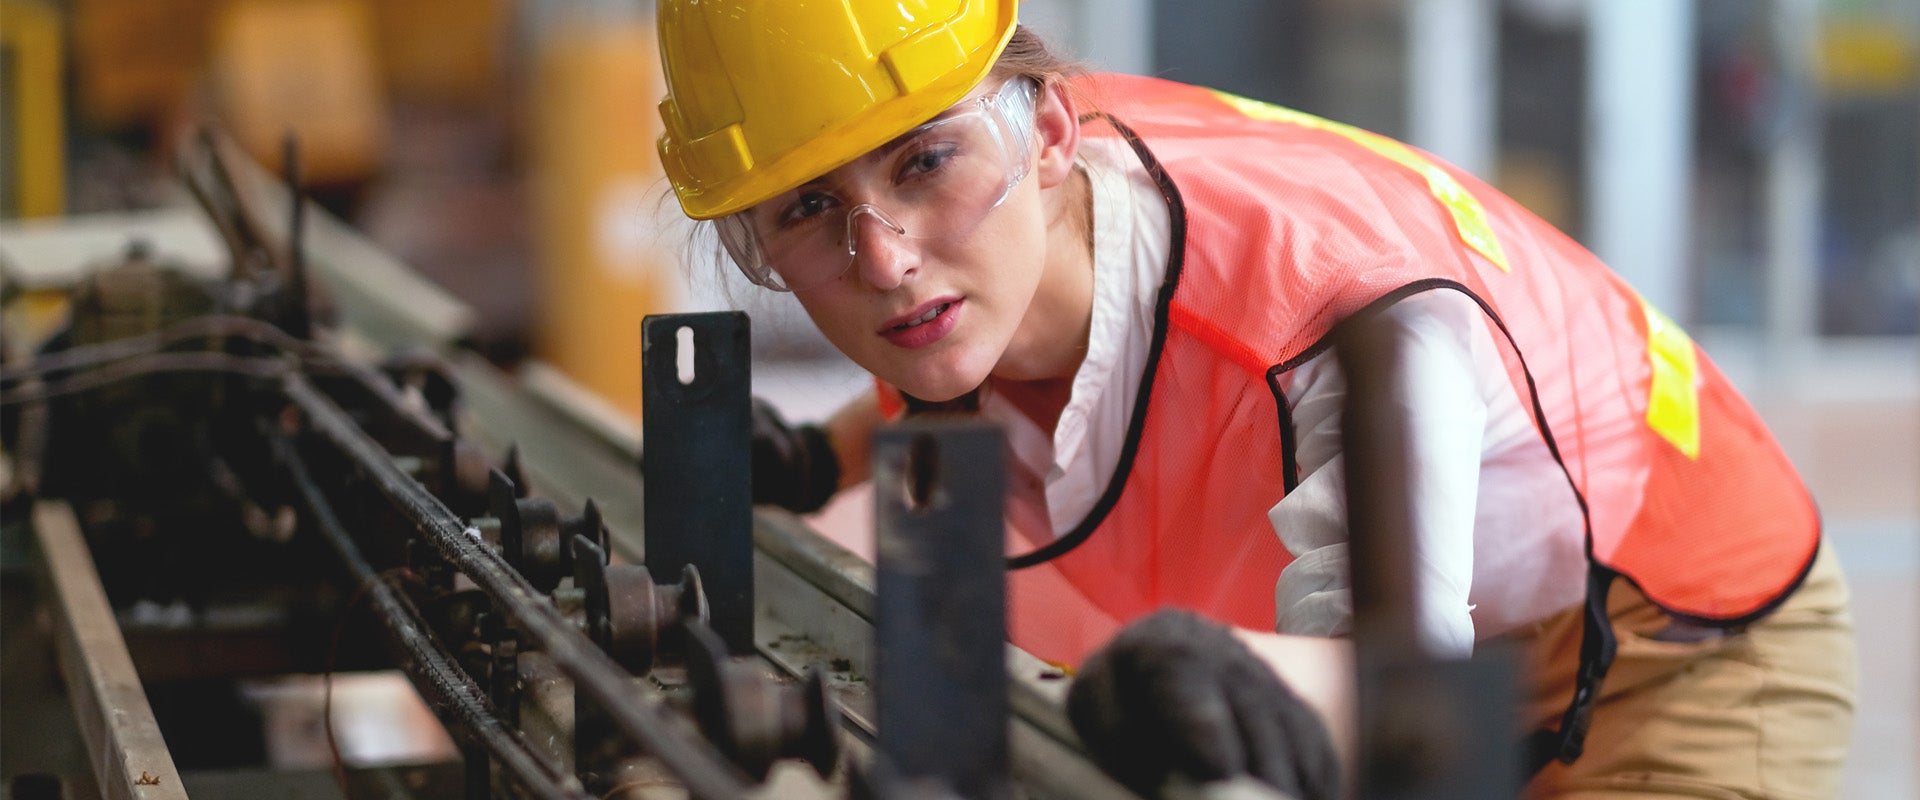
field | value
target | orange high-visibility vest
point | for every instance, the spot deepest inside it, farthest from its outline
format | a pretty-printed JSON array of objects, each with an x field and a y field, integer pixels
[{"x": 1284, "y": 224}]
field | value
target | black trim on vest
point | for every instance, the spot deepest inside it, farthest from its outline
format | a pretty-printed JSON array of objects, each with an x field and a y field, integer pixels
[
  {"x": 1416, "y": 287},
  {"x": 1176, "y": 258},
  {"x": 1597, "y": 641},
  {"x": 1754, "y": 616},
  {"x": 1289, "y": 460}
]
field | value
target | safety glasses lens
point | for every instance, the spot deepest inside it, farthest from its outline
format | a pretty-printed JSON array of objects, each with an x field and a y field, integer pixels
[{"x": 938, "y": 181}]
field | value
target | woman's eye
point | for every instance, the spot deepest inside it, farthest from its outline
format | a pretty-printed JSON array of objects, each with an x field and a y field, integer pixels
[
  {"x": 927, "y": 161},
  {"x": 807, "y": 206}
]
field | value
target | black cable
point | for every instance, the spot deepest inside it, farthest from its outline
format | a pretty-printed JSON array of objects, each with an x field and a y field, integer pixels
[
  {"x": 211, "y": 325},
  {"x": 152, "y": 363}
]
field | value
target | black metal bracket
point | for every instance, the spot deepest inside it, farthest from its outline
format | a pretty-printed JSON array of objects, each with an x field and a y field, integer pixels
[
  {"x": 941, "y": 629},
  {"x": 697, "y": 437}
]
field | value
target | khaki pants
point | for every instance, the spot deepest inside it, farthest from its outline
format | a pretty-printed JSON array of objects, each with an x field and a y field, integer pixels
[{"x": 1763, "y": 713}]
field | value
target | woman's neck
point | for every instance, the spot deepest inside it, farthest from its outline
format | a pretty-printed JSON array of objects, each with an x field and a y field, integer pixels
[{"x": 1041, "y": 383}]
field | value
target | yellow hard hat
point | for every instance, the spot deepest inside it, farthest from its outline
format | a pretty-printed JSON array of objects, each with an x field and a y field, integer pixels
[{"x": 764, "y": 96}]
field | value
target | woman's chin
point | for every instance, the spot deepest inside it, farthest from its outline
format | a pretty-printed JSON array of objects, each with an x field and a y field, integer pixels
[
  {"x": 940, "y": 390},
  {"x": 937, "y": 382}
]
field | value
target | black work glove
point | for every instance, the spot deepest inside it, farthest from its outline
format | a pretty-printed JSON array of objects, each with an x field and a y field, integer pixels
[
  {"x": 793, "y": 466},
  {"x": 1175, "y": 693}
]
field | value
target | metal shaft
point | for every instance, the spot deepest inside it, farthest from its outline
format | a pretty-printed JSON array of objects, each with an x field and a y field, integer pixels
[
  {"x": 434, "y": 669},
  {"x": 593, "y": 672}
]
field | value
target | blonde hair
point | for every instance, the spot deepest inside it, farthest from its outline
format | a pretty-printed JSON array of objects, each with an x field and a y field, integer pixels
[{"x": 1030, "y": 56}]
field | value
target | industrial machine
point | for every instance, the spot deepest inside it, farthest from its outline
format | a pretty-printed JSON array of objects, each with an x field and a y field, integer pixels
[
  {"x": 211, "y": 479},
  {"x": 204, "y": 445}
]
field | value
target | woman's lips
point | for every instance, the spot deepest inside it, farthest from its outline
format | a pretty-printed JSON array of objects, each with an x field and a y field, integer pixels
[{"x": 928, "y": 323}]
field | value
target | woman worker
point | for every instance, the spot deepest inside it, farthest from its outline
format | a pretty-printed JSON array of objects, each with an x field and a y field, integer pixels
[{"x": 1139, "y": 279}]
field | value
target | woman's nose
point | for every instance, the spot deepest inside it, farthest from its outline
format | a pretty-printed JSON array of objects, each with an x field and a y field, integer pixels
[{"x": 880, "y": 250}]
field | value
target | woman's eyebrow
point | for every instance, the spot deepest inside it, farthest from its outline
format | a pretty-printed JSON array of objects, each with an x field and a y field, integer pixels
[{"x": 902, "y": 140}]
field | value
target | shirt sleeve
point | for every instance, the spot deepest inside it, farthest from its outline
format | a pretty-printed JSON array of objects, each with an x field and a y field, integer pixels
[{"x": 1445, "y": 404}]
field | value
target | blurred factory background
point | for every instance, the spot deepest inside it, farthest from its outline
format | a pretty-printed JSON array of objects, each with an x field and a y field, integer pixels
[{"x": 1753, "y": 166}]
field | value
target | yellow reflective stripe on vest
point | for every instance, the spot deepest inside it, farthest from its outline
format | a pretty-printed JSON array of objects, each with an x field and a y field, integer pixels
[
  {"x": 1469, "y": 217},
  {"x": 1673, "y": 395}
]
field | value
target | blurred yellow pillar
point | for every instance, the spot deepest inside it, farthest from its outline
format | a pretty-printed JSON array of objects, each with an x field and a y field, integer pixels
[
  {"x": 30, "y": 39},
  {"x": 305, "y": 67},
  {"x": 598, "y": 191}
]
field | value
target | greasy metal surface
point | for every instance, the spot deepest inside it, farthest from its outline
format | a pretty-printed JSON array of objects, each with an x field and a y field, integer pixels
[
  {"x": 696, "y": 434},
  {"x": 757, "y": 720},
  {"x": 596, "y": 676},
  {"x": 940, "y": 629},
  {"x": 799, "y": 627},
  {"x": 130, "y": 759},
  {"x": 570, "y": 459},
  {"x": 815, "y": 598},
  {"x": 434, "y": 671}
]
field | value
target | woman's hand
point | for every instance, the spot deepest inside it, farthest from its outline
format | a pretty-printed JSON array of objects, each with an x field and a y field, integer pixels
[
  {"x": 1176, "y": 694},
  {"x": 794, "y": 466}
]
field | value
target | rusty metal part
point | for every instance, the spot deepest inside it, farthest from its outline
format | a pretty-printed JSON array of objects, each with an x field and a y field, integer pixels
[
  {"x": 814, "y": 599},
  {"x": 503, "y": 677},
  {"x": 457, "y": 617},
  {"x": 29, "y": 447},
  {"x": 596, "y": 677},
  {"x": 469, "y": 475},
  {"x": 206, "y": 167},
  {"x": 130, "y": 758},
  {"x": 299, "y": 316},
  {"x": 635, "y": 620},
  {"x": 434, "y": 671},
  {"x": 422, "y": 373},
  {"x": 757, "y": 721},
  {"x": 536, "y": 539}
]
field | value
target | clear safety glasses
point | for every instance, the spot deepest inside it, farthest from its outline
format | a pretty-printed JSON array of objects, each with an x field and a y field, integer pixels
[{"x": 937, "y": 181}]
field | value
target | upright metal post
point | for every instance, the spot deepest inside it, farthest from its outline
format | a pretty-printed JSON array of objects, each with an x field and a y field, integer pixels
[
  {"x": 1453, "y": 54},
  {"x": 696, "y": 441},
  {"x": 941, "y": 629},
  {"x": 1795, "y": 184},
  {"x": 1640, "y": 79},
  {"x": 1430, "y": 729}
]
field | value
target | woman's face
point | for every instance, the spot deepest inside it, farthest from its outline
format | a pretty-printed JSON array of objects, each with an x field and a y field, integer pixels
[{"x": 936, "y": 315}]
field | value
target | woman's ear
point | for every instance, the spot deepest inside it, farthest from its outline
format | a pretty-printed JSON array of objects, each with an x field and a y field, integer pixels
[{"x": 1057, "y": 124}]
